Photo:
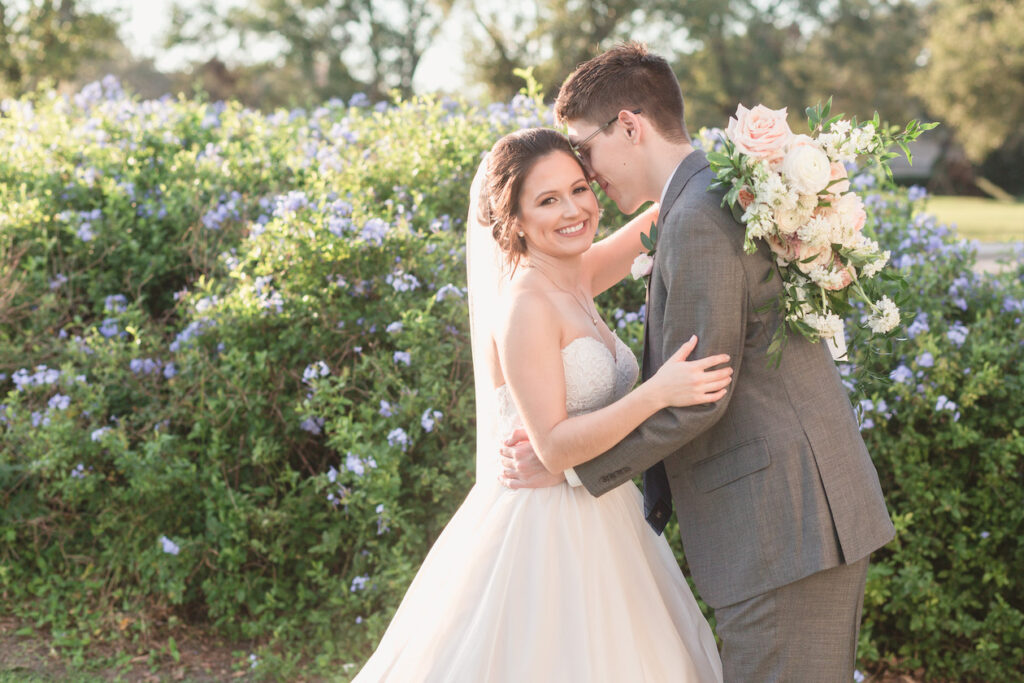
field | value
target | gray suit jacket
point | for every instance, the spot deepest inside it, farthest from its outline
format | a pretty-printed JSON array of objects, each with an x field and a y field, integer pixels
[{"x": 773, "y": 482}]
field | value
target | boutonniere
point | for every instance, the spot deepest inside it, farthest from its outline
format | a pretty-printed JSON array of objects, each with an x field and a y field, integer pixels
[{"x": 643, "y": 264}]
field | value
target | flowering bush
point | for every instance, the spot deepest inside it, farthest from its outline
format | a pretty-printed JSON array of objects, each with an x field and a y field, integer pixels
[{"x": 235, "y": 382}]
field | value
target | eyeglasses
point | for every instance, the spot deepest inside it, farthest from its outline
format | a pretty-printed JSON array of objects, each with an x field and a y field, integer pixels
[{"x": 578, "y": 149}]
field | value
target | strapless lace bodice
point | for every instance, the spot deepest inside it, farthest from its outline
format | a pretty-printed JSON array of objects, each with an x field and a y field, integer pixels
[{"x": 593, "y": 379}]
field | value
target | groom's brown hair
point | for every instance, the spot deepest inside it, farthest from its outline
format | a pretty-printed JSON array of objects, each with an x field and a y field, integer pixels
[{"x": 625, "y": 77}]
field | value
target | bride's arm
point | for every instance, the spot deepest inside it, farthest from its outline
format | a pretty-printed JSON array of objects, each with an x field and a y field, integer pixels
[
  {"x": 531, "y": 358},
  {"x": 608, "y": 260}
]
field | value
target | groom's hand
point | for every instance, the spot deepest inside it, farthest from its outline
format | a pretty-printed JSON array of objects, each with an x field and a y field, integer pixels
[{"x": 520, "y": 468}]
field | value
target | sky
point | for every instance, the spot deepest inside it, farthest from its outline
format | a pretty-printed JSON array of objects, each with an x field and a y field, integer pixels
[{"x": 144, "y": 23}]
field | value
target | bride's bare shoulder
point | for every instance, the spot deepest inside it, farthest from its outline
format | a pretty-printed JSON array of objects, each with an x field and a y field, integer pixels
[{"x": 527, "y": 310}]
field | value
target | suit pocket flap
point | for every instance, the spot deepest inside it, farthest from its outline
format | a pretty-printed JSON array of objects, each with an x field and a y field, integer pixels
[{"x": 732, "y": 464}]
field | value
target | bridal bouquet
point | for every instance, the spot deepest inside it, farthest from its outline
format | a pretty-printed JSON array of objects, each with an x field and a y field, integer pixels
[{"x": 793, "y": 192}]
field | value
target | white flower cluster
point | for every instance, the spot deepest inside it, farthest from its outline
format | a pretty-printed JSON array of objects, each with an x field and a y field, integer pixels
[
  {"x": 843, "y": 143},
  {"x": 827, "y": 325},
  {"x": 872, "y": 269},
  {"x": 886, "y": 316}
]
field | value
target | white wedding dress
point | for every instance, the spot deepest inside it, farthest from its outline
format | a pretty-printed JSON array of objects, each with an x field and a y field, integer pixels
[{"x": 550, "y": 584}]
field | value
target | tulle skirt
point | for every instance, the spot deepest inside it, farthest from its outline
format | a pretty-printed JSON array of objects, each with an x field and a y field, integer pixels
[{"x": 547, "y": 585}]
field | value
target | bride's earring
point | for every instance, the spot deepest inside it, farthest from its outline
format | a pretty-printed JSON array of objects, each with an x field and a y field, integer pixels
[{"x": 521, "y": 233}]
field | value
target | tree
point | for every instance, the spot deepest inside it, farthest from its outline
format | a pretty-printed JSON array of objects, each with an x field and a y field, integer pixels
[
  {"x": 553, "y": 36},
  {"x": 793, "y": 53},
  {"x": 974, "y": 75},
  {"x": 328, "y": 48},
  {"x": 49, "y": 39}
]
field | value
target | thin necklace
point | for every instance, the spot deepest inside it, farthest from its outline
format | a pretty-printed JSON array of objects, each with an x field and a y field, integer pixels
[{"x": 579, "y": 303}]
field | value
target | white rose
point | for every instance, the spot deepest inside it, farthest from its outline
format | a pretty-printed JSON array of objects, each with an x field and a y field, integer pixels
[
  {"x": 807, "y": 169},
  {"x": 788, "y": 221},
  {"x": 642, "y": 266}
]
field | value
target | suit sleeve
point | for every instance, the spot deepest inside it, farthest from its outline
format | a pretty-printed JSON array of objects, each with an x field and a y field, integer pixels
[{"x": 706, "y": 295}]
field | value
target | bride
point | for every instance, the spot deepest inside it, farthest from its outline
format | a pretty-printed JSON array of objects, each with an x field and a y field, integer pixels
[{"x": 552, "y": 584}]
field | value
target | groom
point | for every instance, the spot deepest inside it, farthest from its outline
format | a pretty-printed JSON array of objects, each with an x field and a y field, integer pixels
[{"x": 778, "y": 502}]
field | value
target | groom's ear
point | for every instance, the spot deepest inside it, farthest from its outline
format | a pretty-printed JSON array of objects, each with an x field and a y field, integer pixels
[{"x": 632, "y": 125}]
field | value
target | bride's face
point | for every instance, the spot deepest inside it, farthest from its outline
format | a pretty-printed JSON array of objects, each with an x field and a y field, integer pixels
[{"x": 558, "y": 211}]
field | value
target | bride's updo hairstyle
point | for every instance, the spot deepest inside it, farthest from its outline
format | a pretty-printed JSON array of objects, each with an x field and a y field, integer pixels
[{"x": 508, "y": 164}]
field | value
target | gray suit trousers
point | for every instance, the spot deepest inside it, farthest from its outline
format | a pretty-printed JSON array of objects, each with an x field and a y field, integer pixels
[{"x": 803, "y": 632}]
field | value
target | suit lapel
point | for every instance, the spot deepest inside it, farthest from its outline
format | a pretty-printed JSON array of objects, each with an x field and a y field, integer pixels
[{"x": 687, "y": 168}]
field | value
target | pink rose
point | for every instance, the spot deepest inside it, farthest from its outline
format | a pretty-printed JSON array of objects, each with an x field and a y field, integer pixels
[
  {"x": 822, "y": 256},
  {"x": 838, "y": 172},
  {"x": 745, "y": 197},
  {"x": 850, "y": 208},
  {"x": 784, "y": 247},
  {"x": 760, "y": 132}
]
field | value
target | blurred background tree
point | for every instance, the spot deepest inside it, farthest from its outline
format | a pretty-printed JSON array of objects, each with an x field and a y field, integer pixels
[
  {"x": 49, "y": 40},
  {"x": 973, "y": 78},
  {"x": 318, "y": 48}
]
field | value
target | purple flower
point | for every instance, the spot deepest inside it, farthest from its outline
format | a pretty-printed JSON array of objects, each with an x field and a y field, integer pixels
[
  {"x": 402, "y": 357},
  {"x": 394, "y": 327},
  {"x": 332, "y": 475},
  {"x": 402, "y": 282},
  {"x": 902, "y": 374},
  {"x": 919, "y": 325},
  {"x": 314, "y": 371},
  {"x": 447, "y": 291},
  {"x": 359, "y": 583},
  {"x": 398, "y": 437},
  {"x": 59, "y": 402},
  {"x": 290, "y": 203},
  {"x": 354, "y": 465},
  {"x": 916, "y": 192},
  {"x": 926, "y": 360},
  {"x": 85, "y": 232},
  {"x": 944, "y": 403},
  {"x": 144, "y": 366},
  {"x": 374, "y": 230},
  {"x": 59, "y": 280},
  {"x": 115, "y": 303},
  {"x": 428, "y": 419},
  {"x": 339, "y": 225},
  {"x": 169, "y": 546},
  {"x": 97, "y": 434},
  {"x": 109, "y": 328},
  {"x": 984, "y": 534},
  {"x": 385, "y": 409},
  {"x": 170, "y": 371},
  {"x": 957, "y": 334},
  {"x": 313, "y": 425},
  {"x": 78, "y": 472}
]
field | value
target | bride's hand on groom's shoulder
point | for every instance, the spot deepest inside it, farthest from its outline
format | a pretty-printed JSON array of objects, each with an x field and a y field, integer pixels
[{"x": 520, "y": 468}]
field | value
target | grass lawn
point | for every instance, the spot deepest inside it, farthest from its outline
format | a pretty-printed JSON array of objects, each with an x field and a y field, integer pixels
[{"x": 986, "y": 220}]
